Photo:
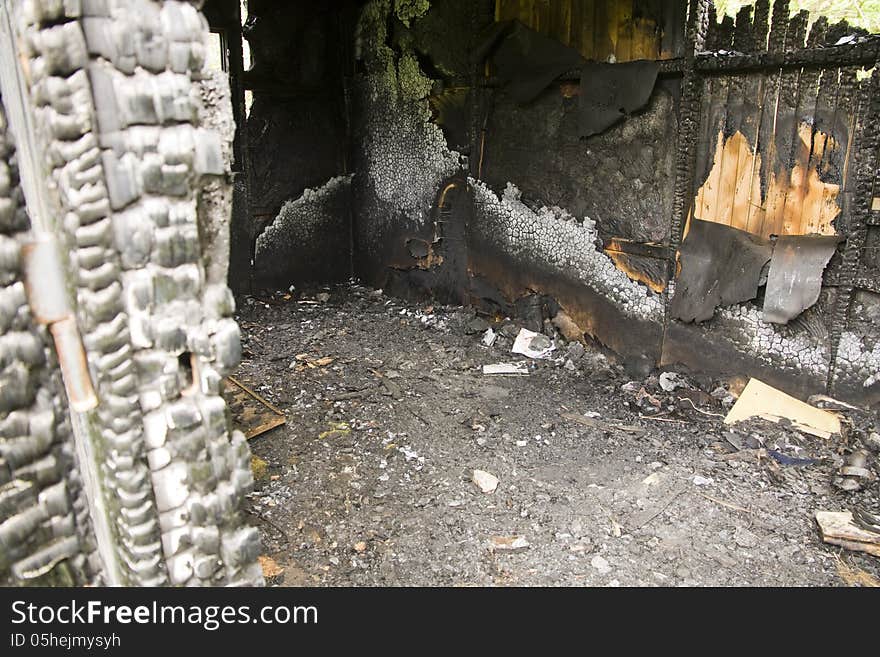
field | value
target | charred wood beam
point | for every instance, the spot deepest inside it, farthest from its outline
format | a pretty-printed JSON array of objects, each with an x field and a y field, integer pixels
[
  {"x": 865, "y": 169},
  {"x": 688, "y": 127},
  {"x": 863, "y": 281},
  {"x": 686, "y": 151},
  {"x": 226, "y": 16},
  {"x": 863, "y": 52}
]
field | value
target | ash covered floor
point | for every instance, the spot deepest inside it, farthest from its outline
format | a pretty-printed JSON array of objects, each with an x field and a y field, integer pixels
[{"x": 370, "y": 481}]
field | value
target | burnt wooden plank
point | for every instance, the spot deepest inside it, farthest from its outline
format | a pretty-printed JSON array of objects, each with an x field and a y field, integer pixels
[
  {"x": 647, "y": 19},
  {"x": 624, "y": 46},
  {"x": 739, "y": 106},
  {"x": 778, "y": 27},
  {"x": 603, "y": 46},
  {"x": 761, "y": 25},
  {"x": 560, "y": 20},
  {"x": 778, "y": 135},
  {"x": 812, "y": 81},
  {"x": 704, "y": 146},
  {"x": 713, "y": 38},
  {"x": 861, "y": 52},
  {"x": 742, "y": 31},
  {"x": 793, "y": 99},
  {"x": 689, "y": 123},
  {"x": 758, "y": 85},
  {"x": 867, "y": 142},
  {"x": 724, "y": 35},
  {"x": 587, "y": 26}
]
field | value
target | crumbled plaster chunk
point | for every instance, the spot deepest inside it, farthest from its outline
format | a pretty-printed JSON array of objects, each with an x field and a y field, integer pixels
[{"x": 567, "y": 246}]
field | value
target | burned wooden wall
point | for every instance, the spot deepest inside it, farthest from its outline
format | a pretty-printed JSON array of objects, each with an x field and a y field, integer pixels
[
  {"x": 762, "y": 127},
  {"x": 781, "y": 137},
  {"x": 765, "y": 124},
  {"x": 224, "y": 17},
  {"x": 786, "y": 146}
]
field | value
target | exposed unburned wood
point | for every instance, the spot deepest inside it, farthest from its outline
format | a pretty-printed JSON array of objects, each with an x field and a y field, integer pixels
[
  {"x": 760, "y": 400},
  {"x": 252, "y": 414},
  {"x": 797, "y": 201},
  {"x": 838, "y": 528}
]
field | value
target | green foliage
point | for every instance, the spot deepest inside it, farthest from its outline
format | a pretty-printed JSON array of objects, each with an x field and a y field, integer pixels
[{"x": 862, "y": 13}]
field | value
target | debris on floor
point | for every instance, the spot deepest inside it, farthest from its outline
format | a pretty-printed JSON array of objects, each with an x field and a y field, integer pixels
[
  {"x": 507, "y": 369},
  {"x": 854, "y": 473},
  {"x": 251, "y": 414},
  {"x": 760, "y": 400},
  {"x": 270, "y": 567},
  {"x": 374, "y": 485},
  {"x": 533, "y": 345},
  {"x": 568, "y": 328},
  {"x": 485, "y": 481},
  {"x": 854, "y": 576},
  {"x": 838, "y": 528},
  {"x": 507, "y": 543}
]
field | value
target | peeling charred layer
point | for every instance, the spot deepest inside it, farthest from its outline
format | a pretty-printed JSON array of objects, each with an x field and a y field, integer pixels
[
  {"x": 636, "y": 340},
  {"x": 715, "y": 354}
]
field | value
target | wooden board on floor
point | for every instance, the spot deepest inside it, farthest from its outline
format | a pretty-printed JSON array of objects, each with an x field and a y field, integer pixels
[
  {"x": 251, "y": 414},
  {"x": 838, "y": 528},
  {"x": 761, "y": 400}
]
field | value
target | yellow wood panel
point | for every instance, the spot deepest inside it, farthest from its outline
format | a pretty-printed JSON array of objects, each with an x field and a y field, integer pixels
[
  {"x": 597, "y": 28},
  {"x": 586, "y": 29},
  {"x": 797, "y": 202},
  {"x": 622, "y": 27},
  {"x": 560, "y": 20}
]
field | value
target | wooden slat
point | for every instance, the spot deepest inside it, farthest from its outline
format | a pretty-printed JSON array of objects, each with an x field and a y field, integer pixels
[
  {"x": 623, "y": 47},
  {"x": 722, "y": 186},
  {"x": 755, "y": 199},
  {"x": 812, "y": 83},
  {"x": 627, "y": 29},
  {"x": 560, "y": 20},
  {"x": 587, "y": 29},
  {"x": 506, "y": 10},
  {"x": 541, "y": 17},
  {"x": 798, "y": 152},
  {"x": 602, "y": 40}
]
